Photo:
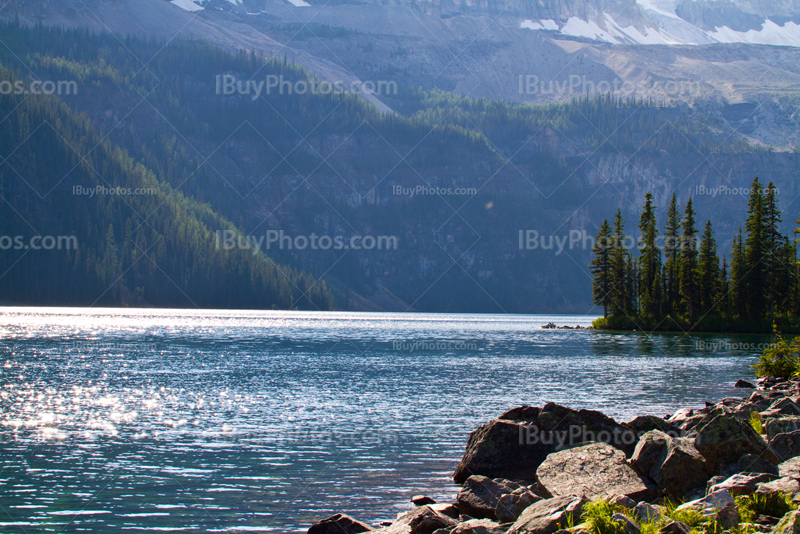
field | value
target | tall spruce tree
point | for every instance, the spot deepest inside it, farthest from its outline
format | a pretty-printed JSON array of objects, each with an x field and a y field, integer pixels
[
  {"x": 671, "y": 251},
  {"x": 688, "y": 262},
  {"x": 620, "y": 270},
  {"x": 709, "y": 271},
  {"x": 649, "y": 280},
  {"x": 775, "y": 251},
  {"x": 724, "y": 289},
  {"x": 737, "y": 285},
  {"x": 754, "y": 267},
  {"x": 601, "y": 268}
]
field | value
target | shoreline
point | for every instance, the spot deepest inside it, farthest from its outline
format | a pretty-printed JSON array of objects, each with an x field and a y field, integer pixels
[{"x": 545, "y": 470}]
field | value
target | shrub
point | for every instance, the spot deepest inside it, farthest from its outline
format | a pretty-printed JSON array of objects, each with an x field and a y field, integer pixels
[
  {"x": 780, "y": 360},
  {"x": 755, "y": 422}
]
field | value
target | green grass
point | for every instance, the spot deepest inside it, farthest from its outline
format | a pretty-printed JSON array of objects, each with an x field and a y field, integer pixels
[
  {"x": 772, "y": 504},
  {"x": 756, "y": 423},
  {"x": 597, "y": 518}
]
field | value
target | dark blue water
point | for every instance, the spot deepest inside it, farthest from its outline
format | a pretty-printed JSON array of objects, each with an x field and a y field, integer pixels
[{"x": 142, "y": 420}]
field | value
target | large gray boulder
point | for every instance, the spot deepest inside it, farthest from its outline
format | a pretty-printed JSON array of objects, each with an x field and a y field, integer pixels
[
  {"x": 785, "y": 485},
  {"x": 790, "y": 468},
  {"x": 742, "y": 484},
  {"x": 512, "y": 504},
  {"x": 726, "y": 438},
  {"x": 478, "y": 526},
  {"x": 711, "y": 504},
  {"x": 549, "y": 515},
  {"x": 339, "y": 524},
  {"x": 674, "y": 464},
  {"x": 422, "y": 520},
  {"x": 596, "y": 470},
  {"x": 786, "y": 445},
  {"x": 750, "y": 463},
  {"x": 781, "y": 425},
  {"x": 514, "y": 445},
  {"x": 480, "y": 496}
]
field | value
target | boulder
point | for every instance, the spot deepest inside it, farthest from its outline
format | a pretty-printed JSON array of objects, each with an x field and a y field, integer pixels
[
  {"x": 422, "y": 500},
  {"x": 789, "y": 524},
  {"x": 728, "y": 517},
  {"x": 786, "y": 445},
  {"x": 647, "y": 513},
  {"x": 674, "y": 464},
  {"x": 744, "y": 384},
  {"x": 478, "y": 526},
  {"x": 790, "y": 468},
  {"x": 725, "y": 439},
  {"x": 622, "y": 500},
  {"x": 711, "y": 504},
  {"x": 742, "y": 484},
  {"x": 675, "y": 527},
  {"x": 646, "y": 423},
  {"x": 422, "y": 520},
  {"x": 749, "y": 463},
  {"x": 781, "y": 425},
  {"x": 450, "y": 510},
  {"x": 514, "y": 445},
  {"x": 597, "y": 471},
  {"x": 480, "y": 496},
  {"x": 512, "y": 504},
  {"x": 339, "y": 524},
  {"x": 548, "y": 515},
  {"x": 627, "y": 524},
  {"x": 786, "y": 485}
]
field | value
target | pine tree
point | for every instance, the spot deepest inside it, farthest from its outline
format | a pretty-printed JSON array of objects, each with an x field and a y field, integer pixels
[
  {"x": 709, "y": 271},
  {"x": 737, "y": 285},
  {"x": 688, "y": 262},
  {"x": 724, "y": 296},
  {"x": 774, "y": 253},
  {"x": 671, "y": 251},
  {"x": 649, "y": 261},
  {"x": 601, "y": 268},
  {"x": 620, "y": 270},
  {"x": 755, "y": 255}
]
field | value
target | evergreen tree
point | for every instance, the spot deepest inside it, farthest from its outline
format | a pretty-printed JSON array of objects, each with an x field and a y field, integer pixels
[
  {"x": 601, "y": 268},
  {"x": 737, "y": 285},
  {"x": 775, "y": 251},
  {"x": 724, "y": 296},
  {"x": 688, "y": 262},
  {"x": 620, "y": 270},
  {"x": 649, "y": 281},
  {"x": 754, "y": 286},
  {"x": 709, "y": 270},
  {"x": 671, "y": 251}
]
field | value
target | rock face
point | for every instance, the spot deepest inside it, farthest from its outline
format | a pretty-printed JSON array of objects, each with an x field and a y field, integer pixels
[
  {"x": 481, "y": 495},
  {"x": 674, "y": 464},
  {"x": 549, "y": 515},
  {"x": 782, "y": 425},
  {"x": 750, "y": 463},
  {"x": 422, "y": 520},
  {"x": 787, "y": 485},
  {"x": 597, "y": 471},
  {"x": 790, "y": 468},
  {"x": 726, "y": 438},
  {"x": 742, "y": 484},
  {"x": 790, "y": 524},
  {"x": 339, "y": 524},
  {"x": 514, "y": 445},
  {"x": 786, "y": 445}
]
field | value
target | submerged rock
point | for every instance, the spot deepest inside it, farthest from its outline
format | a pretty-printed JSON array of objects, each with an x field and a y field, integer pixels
[
  {"x": 514, "y": 445},
  {"x": 339, "y": 524},
  {"x": 596, "y": 470}
]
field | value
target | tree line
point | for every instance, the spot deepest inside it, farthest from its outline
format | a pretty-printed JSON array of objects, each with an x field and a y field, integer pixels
[{"x": 677, "y": 278}]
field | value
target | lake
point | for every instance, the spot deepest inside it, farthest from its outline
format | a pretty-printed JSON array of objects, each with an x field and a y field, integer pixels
[{"x": 212, "y": 421}]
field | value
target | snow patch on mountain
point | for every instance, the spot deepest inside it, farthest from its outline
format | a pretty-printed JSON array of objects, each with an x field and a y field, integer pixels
[
  {"x": 667, "y": 29},
  {"x": 187, "y": 5}
]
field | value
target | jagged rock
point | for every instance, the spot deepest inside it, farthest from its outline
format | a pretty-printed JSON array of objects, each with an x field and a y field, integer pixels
[
  {"x": 622, "y": 500},
  {"x": 728, "y": 517},
  {"x": 786, "y": 445},
  {"x": 781, "y": 425},
  {"x": 548, "y": 515},
  {"x": 339, "y": 524},
  {"x": 713, "y": 481},
  {"x": 750, "y": 463},
  {"x": 789, "y": 524},
  {"x": 422, "y": 520},
  {"x": 675, "y": 527},
  {"x": 787, "y": 485},
  {"x": 744, "y": 384},
  {"x": 790, "y": 468},
  {"x": 627, "y": 523},
  {"x": 516, "y": 444},
  {"x": 450, "y": 510},
  {"x": 596, "y": 470},
  {"x": 646, "y": 423},
  {"x": 646, "y": 513},
  {"x": 422, "y": 500},
  {"x": 742, "y": 484},
  {"x": 480, "y": 496},
  {"x": 711, "y": 504},
  {"x": 512, "y": 504},
  {"x": 674, "y": 464},
  {"x": 681, "y": 415},
  {"x": 782, "y": 407},
  {"x": 725, "y": 439},
  {"x": 478, "y": 526}
]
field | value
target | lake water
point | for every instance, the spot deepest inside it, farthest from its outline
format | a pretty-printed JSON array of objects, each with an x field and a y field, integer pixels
[{"x": 212, "y": 421}]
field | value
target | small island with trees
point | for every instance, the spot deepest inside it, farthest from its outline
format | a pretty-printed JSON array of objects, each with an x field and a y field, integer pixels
[{"x": 677, "y": 282}]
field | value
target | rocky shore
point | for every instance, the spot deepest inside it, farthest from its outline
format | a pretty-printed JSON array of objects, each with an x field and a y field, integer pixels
[{"x": 733, "y": 466}]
